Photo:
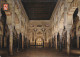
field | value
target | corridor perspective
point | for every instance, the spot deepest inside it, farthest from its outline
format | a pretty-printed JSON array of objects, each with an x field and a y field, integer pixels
[{"x": 39, "y": 28}]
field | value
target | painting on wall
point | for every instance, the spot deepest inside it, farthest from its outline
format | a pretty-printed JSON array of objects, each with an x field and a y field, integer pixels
[{"x": 5, "y": 6}]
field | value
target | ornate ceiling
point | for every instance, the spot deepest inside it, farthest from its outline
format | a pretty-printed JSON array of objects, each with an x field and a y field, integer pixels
[{"x": 39, "y": 9}]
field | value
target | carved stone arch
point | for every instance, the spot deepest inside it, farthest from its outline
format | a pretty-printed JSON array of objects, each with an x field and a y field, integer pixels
[
  {"x": 39, "y": 41},
  {"x": 30, "y": 34},
  {"x": 61, "y": 23},
  {"x": 39, "y": 38},
  {"x": 16, "y": 19},
  {"x": 8, "y": 17},
  {"x": 39, "y": 31},
  {"x": 71, "y": 11},
  {"x": 16, "y": 8},
  {"x": 62, "y": 9},
  {"x": 69, "y": 1}
]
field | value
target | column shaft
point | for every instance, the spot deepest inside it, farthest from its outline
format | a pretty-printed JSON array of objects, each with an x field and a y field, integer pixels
[
  {"x": 1, "y": 41},
  {"x": 18, "y": 43},
  {"x": 68, "y": 42},
  {"x": 56, "y": 40},
  {"x": 61, "y": 42},
  {"x": 77, "y": 41},
  {"x": 11, "y": 42},
  {"x": 22, "y": 41},
  {"x": 5, "y": 42}
]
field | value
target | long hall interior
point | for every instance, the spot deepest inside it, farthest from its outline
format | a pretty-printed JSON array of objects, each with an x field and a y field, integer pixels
[{"x": 39, "y": 28}]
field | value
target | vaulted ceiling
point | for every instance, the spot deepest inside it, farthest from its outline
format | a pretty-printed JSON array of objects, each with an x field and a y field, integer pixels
[{"x": 39, "y": 9}]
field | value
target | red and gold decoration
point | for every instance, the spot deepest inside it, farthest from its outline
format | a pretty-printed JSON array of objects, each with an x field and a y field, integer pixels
[{"x": 5, "y": 6}]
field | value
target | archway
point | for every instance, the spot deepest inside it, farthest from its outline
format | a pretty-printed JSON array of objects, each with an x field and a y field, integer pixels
[
  {"x": 39, "y": 43},
  {"x": 15, "y": 41},
  {"x": 5, "y": 32},
  {"x": 73, "y": 30},
  {"x": 64, "y": 38}
]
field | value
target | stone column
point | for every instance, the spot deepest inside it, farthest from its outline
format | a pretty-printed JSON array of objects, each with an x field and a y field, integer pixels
[
  {"x": 53, "y": 41},
  {"x": 26, "y": 41},
  {"x": 1, "y": 42},
  {"x": 35, "y": 36},
  {"x": 68, "y": 41},
  {"x": 11, "y": 40},
  {"x": 79, "y": 21},
  {"x": 5, "y": 42},
  {"x": 77, "y": 41},
  {"x": 60, "y": 39},
  {"x": 22, "y": 41},
  {"x": 56, "y": 40},
  {"x": 18, "y": 42}
]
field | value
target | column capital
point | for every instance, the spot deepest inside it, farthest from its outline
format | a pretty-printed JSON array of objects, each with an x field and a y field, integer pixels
[
  {"x": 65, "y": 9},
  {"x": 60, "y": 32},
  {"x": 68, "y": 27},
  {"x": 56, "y": 33},
  {"x": 18, "y": 31},
  {"x": 53, "y": 36},
  {"x": 23, "y": 34},
  {"x": 10, "y": 27}
]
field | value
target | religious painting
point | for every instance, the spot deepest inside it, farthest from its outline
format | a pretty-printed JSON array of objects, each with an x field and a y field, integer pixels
[{"x": 5, "y": 6}]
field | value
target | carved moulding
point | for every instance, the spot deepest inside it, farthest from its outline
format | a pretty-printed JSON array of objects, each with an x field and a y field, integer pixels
[{"x": 69, "y": 1}]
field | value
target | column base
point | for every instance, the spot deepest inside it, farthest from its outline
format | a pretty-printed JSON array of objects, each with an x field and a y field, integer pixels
[{"x": 17, "y": 50}]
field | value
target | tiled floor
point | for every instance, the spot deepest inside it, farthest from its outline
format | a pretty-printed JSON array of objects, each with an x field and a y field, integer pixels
[{"x": 43, "y": 52}]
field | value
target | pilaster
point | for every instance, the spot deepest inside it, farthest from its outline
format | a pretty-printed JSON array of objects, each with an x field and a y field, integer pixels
[
  {"x": 18, "y": 32},
  {"x": 11, "y": 40},
  {"x": 56, "y": 40},
  {"x": 77, "y": 41},
  {"x": 60, "y": 33},
  {"x": 5, "y": 42},
  {"x": 68, "y": 41},
  {"x": 22, "y": 41}
]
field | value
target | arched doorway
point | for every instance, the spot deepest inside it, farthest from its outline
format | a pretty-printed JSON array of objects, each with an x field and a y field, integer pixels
[
  {"x": 39, "y": 43},
  {"x": 64, "y": 38},
  {"x": 73, "y": 30},
  {"x": 5, "y": 31},
  {"x": 15, "y": 40}
]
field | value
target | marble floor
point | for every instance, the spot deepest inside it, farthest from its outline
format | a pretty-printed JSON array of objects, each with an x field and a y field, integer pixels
[{"x": 40, "y": 52}]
